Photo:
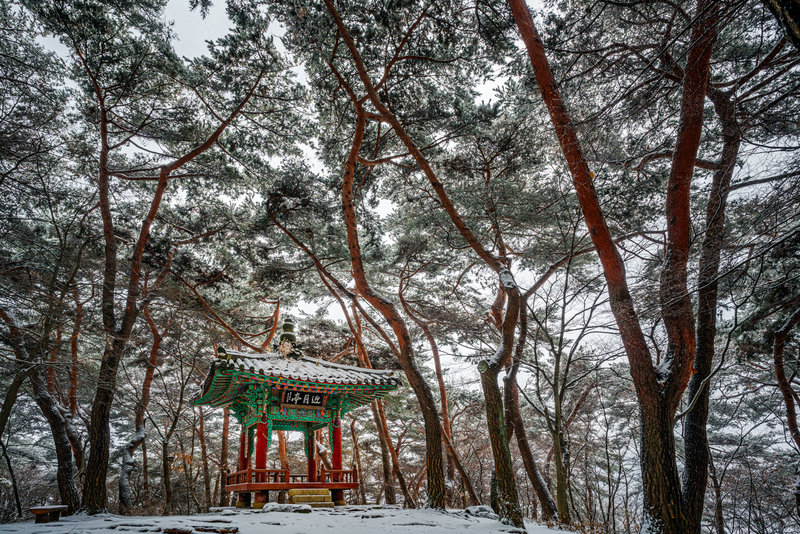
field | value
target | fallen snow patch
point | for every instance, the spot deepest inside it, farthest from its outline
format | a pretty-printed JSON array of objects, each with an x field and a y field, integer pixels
[
  {"x": 283, "y": 519},
  {"x": 292, "y": 508}
]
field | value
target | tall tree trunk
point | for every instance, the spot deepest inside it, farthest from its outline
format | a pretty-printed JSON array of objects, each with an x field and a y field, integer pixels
[
  {"x": 65, "y": 475},
  {"x": 507, "y": 499},
  {"x": 430, "y": 415},
  {"x": 125, "y": 501},
  {"x": 696, "y": 451},
  {"x": 94, "y": 489},
  {"x": 361, "y": 492},
  {"x": 386, "y": 461},
  {"x": 14, "y": 487},
  {"x": 117, "y": 334},
  {"x": 778, "y": 344},
  {"x": 516, "y": 425},
  {"x": 224, "y": 496},
  {"x": 561, "y": 473},
  {"x": 658, "y": 392}
]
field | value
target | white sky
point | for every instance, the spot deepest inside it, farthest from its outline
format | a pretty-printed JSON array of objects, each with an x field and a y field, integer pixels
[{"x": 192, "y": 29}]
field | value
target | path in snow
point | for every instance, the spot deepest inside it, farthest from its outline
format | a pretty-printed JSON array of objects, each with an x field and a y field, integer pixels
[{"x": 277, "y": 519}]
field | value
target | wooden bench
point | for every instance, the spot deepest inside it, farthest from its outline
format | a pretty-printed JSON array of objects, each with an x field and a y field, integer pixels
[{"x": 45, "y": 514}]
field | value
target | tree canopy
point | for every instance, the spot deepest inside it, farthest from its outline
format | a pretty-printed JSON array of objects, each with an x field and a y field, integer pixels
[{"x": 572, "y": 227}]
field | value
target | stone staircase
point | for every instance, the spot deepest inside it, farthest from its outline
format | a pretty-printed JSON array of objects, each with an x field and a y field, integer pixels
[{"x": 316, "y": 498}]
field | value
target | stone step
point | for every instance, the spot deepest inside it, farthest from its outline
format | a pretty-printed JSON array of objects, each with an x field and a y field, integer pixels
[
  {"x": 320, "y": 504},
  {"x": 312, "y": 491},
  {"x": 298, "y": 499}
]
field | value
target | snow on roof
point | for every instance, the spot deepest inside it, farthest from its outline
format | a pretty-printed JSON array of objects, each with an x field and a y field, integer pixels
[{"x": 305, "y": 368}]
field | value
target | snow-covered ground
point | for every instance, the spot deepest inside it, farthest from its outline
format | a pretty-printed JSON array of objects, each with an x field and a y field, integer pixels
[{"x": 279, "y": 520}]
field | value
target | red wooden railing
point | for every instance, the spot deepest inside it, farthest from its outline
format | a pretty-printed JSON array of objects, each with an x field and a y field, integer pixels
[
  {"x": 338, "y": 475},
  {"x": 283, "y": 476}
]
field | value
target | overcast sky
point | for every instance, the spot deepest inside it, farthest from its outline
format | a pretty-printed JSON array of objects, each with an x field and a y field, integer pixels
[{"x": 192, "y": 29}]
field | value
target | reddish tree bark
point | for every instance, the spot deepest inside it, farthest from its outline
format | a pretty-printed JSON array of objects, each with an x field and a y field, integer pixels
[
  {"x": 778, "y": 344},
  {"x": 73, "y": 345},
  {"x": 658, "y": 390},
  {"x": 433, "y": 434},
  {"x": 515, "y": 424},
  {"x": 434, "y": 472},
  {"x": 117, "y": 333},
  {"x": 138, "y": 438}
]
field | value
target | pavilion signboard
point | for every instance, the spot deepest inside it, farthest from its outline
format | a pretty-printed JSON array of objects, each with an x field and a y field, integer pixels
[{"x": 303, "y": 400}]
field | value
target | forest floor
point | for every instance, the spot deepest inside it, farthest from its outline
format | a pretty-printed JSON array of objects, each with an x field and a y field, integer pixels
[{"x": 285, "y": 519}]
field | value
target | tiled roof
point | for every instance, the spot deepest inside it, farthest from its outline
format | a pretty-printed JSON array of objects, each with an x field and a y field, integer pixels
[{"x": 304, "y": 368}]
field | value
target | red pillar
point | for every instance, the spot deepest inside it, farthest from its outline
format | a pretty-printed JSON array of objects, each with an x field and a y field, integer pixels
[
  {"x": 312, "y": 456},
  {"x": 261, "y": 461},
  {"x": 243, "y": 499},
  {"x": 336, "y": 461}
]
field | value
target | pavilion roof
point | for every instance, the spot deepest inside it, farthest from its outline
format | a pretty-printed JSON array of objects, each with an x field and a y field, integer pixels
[
  {"x": 306, "y": 369},
  {"x": 243, "y": 378}
]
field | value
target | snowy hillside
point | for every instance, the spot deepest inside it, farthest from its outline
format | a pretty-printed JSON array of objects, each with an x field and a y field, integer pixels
[{"x": 286, "y": 519}]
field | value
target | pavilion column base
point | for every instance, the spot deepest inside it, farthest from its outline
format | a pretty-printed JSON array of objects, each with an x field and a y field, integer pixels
[
  {"x": 243, "y": 500},
  {"x": 262, "y": 497},
  {"x": 340, "y": 503},
  {"x": 337, "y": 496}
]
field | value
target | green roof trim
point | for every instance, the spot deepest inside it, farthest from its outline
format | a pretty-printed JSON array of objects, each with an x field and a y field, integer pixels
[{"x": 244, "y": 384}]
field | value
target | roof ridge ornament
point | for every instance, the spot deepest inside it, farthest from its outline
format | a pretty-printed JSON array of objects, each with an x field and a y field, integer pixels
[
  {"x": 222, "y": 354},
  {"x": 287, "y": 344}
]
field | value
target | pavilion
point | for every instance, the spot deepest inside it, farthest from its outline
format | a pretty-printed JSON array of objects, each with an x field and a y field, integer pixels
[{"x": 285, "y": 390}]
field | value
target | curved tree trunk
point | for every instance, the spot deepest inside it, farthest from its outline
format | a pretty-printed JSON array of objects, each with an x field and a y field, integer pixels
[
  {"x": 507, "y": 499},
  {"x": 453, "y": 461},
  {"x": 516, "y": 425},
  {"x": 696, "y": 451},
  {"x": 658, "y": 390},
  {"x": 117, "y": 332},
  {"x": 125, "y": 502},
  {"x": 65, "y": 475},
  {"x": 388, "y": 479},
  {"x": 778, "y": 344},
  {"x": 430, "y": 415}
]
